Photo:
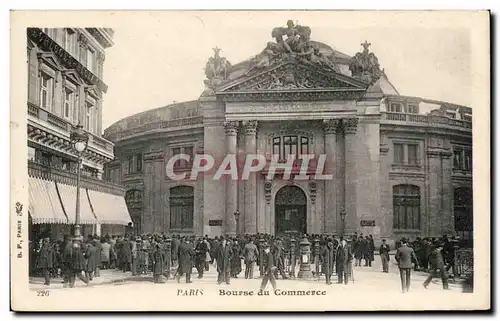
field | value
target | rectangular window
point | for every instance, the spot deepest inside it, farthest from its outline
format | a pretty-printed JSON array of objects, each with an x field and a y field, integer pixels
[
  {"x": 176, "y": 151},
  {"x": 398, "y": 154},
  {"x": 457, "y": 158},
  {"x": 91, "y": 60},
  {"x": 139, "y": 162},
  {"x": 69, "y": 41},
  {"x": 290, "y": 146},
  {"x": 412, "y": 109},
  {"x": 130, "y": 164},
  {"x": 413, "y": 158},
  {"x": 396, "y": 108},
  {"x": 468, "y": 159},
  {"x": 69, "y": 98},
  {"x": 46, "y": 91},
  {"x": 88, "y": 117},
  {"x": 304, "y": 145},
  {"x": 276, "y": 147}
]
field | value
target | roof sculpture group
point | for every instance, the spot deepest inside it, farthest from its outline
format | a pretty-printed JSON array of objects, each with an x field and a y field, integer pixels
[{"x": 293, "y": 43}]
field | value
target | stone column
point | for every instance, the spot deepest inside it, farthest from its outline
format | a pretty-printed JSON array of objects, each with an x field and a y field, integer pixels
[
  {"x": 250, "y": 218},
  {"x": 231, "y": 128},
  {"x": 351, "y": 174},
  {"x": 331, "y": 186}
]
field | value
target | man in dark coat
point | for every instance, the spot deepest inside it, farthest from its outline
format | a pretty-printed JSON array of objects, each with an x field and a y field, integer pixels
[
  {"x": 185, "y": 257},
  {"x": 438, "y": 267},
  {"x": 371, "y": 248},
  {"x": 91, "y": 256},
  {"x": 201, "y": 250},
  {"x": 223, "y": 257},
  {"x": 384, "y": 255},
  {"x": 235, "y": 259},
  {"x": 46, "y": 259},
  {"x": 166, "y": 247},
  {"x": 343, "y": 260},
  {"x": 175, "y": 249},
  {"x": 357, "y": 249},
  {"x": 269, "y": 267},
  {"x": 328, "y": 260},
  {"x": 404, "y": 256},
  {"x": 279, "y": 257},
  {"x": 73, "y": 256},
  {"x": 98, "y": 259},
  {"x": 250, "y": 253},
  {"x": 158, "y": 263}
]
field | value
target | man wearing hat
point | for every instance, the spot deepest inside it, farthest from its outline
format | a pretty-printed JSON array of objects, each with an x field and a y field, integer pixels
[
  {"x": 384, "y": 256},
  {"x": 328, "y": 259},
  {"x": 269, "y": 268},
  {"x": 46, "y": 259},
  {"x": 343, "y": 259},
  {"x": 404, "y": 256},
  {"x": 223, "y": 256},
  {"x": 438, "y": 267}
]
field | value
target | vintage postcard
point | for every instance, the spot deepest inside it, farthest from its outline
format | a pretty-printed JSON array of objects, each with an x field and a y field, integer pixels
[{"x": 250, "y": 161}]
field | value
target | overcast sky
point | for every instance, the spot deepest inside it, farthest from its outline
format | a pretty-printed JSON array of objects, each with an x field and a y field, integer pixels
[{"x": 159, "y": 59}]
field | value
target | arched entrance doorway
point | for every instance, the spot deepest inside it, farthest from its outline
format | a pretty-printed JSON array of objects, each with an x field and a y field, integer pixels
[{"x": 290, "y": 211}]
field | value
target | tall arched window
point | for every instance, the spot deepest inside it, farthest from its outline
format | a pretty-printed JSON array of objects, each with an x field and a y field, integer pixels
[
  {"x": 462, "y": 209},
  {"x": 406, "y": 207},
  {"x": 181, "y": 207}
]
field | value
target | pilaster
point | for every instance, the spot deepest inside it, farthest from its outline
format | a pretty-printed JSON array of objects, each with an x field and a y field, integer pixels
[
  {"x": 231, "y": 130},
  {"x": 350, "y": 126},
  {"x": 330, "y": 128},
  {"x": 250, "y": 218}
]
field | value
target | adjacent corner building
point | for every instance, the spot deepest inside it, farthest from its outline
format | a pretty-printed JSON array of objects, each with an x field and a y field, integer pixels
[{"x": 65, "y": 88}]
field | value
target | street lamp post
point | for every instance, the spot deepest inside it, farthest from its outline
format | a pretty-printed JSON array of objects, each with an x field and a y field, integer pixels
[
  {"x": 79, "y": 140},
  {"x": 237, "y": 218},
  {"x": 342, "y": 218}
]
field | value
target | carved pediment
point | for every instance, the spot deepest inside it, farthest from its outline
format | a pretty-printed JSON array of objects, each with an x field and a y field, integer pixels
[
  {"x": 73, "y": 76},
  {"x": 94, "y": 92},
  {"x": 50, "y": 59},
  {"x": 294, "y": 76}
]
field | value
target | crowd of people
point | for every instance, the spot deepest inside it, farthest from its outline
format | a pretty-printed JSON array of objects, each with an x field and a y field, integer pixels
[{"x": 175, "y": 257}]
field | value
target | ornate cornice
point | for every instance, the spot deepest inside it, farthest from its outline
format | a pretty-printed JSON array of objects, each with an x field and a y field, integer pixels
[
  {"x": 231, "y": 127},
  {"x": 331, "y": 126},
  {"x": 63, "y": 145},
  {"x": 250, "y": 127},
  {"x": 350, "y": 125},
  {"x": 65, "y": 58},
  {"x": 293, "y": 95}
]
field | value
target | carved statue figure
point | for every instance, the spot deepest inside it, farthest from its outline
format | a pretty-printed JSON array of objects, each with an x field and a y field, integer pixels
[
  {"x": 295, "y": 35},
  {"x": 217, "y": 68},
  {"x": 365, "y": 65},
  {"x": 263, "y": 59}
]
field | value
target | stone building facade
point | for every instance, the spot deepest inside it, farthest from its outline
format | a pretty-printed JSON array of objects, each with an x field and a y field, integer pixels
[
  {"x": 400, "y": 166},
  {"x": 65, "y": 89}
]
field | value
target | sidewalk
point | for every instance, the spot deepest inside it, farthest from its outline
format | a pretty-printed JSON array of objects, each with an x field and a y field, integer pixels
[{"x": 107, "y": 277}]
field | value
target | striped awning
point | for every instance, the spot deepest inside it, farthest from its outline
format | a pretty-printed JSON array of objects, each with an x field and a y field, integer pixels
[
  {"x": 68, "y": 197},
  {"x": 44, "y": 204},
  {"x": 109, "y": 208}
]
